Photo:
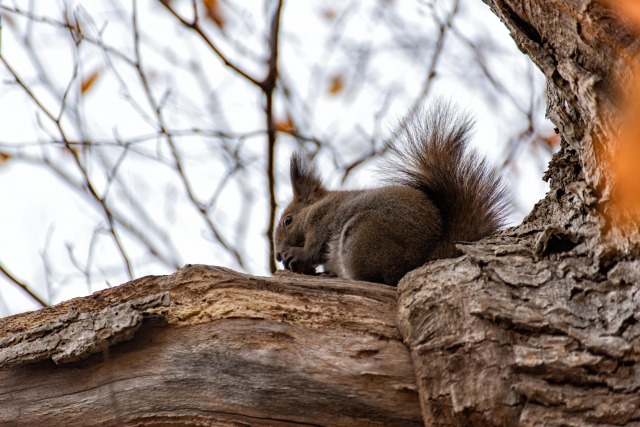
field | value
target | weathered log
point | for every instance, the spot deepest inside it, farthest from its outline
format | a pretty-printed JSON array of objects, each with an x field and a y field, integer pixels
[{"x": 208, "y": 346}]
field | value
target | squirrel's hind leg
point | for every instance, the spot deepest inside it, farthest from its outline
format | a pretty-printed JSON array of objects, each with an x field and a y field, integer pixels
[{"x": 361, "y": 251}]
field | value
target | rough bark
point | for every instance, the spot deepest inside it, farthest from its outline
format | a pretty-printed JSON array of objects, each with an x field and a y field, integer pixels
[
  {"x": 539, "y": 325},
  {"x": 209, "y": 346}
]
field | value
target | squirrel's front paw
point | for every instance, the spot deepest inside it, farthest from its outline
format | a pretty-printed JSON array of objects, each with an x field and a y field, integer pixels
[
  {"x": 327, "y": 274},
  {"x": 293, "y": 261}
]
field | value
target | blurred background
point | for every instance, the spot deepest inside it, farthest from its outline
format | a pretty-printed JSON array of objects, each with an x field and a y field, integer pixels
[{"x": 137, "y": 136}]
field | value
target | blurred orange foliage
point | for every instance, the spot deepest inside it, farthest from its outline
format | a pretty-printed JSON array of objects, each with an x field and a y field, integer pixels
[
  {"x": 285, "y": 125},
  {"x": 88, "y": 82},
  {"x": 626, "y": 158},
  {"x": 625, "y": 165},
  {"x": 628, "y": 10},
  {"x": 213, "y": 12},
  {"x": 551, "y": 140},
  {"x": 4, "y": 157},
  {"x": 329, "y": 14},
  {"x": 336, "y": 85}
]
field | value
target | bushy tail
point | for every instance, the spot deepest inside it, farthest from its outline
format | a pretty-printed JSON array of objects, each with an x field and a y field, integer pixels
[{"x": 431, "y": 154}]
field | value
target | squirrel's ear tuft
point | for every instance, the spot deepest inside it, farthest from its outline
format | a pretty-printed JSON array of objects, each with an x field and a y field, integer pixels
[{"x": 305, "y": 181}]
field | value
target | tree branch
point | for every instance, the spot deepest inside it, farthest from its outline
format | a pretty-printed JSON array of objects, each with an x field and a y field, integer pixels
[
  {"x": 23, "y": 286},
  {"x": 268, "y": 87}
]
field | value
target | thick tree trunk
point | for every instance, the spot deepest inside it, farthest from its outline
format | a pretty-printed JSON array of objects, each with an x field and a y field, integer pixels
[
  {"x": 539, "y": 325},
  {"x": 536, "y": 326},
  {"x": 211, "y": 347}
]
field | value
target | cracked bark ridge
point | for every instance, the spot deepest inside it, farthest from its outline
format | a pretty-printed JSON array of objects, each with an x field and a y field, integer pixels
[
  {"x": 216, "y": 347},
  {"x": 539, "y": 325},
  {"x": 502, "y": 340},
  {"x": 74, "y": 336}
]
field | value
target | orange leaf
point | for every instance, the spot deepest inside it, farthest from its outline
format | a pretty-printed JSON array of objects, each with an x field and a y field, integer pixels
[
  {"x": 625, "y": 168},
  {"x": 8, "y": 19},
  {"x": 213, "y": 12},
  {"x": 73, "y": 149},
  {"x": 628, "y": 177},
  {"x": 329, "y": 14},
  {"x": 88, "y": 82},
  {"x": 628, "y": 10},
  {"x": 552, "y": 140},
  {"x": 286, "y": 125},
  {"x": 4, "y": 157},
  {"x": 626, "y": 155},
  {"x": 336, "y": 85}
]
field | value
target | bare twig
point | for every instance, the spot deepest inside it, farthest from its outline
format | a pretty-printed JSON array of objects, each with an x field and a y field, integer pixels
[
  {"x": 157, "y": 107},
  {"x": 195, "y": 26},
  {"x": 23, "y": 286},
  {"x": 76, "y": 157},
  {"x": 268, "y": 87}
]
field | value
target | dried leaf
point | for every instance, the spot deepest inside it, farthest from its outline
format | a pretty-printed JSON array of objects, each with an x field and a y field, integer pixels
[
  {"x": 285, "y": 125},
  {"x": 626, "y": 171},
  {"x": 74, "y": 149},
  {"x": 336, "y": 84},
  {"x": 7, "y": 19},
  {"x": 629, "y": 11},
  {"x": 329, "y": 14},
  {"x": 626, "y": 155},
  {"x": 4, "y": 157},
  {"x": 88, "y": 82},
  {"x": 552, "y": 141},
  {"x": 213, "y": 12}
]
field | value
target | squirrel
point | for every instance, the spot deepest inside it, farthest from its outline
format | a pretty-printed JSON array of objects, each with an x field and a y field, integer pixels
[{"x": 440, "y": 192}]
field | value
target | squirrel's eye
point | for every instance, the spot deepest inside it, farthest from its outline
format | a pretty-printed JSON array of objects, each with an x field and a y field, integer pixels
[{"x": 287, "y": 221}]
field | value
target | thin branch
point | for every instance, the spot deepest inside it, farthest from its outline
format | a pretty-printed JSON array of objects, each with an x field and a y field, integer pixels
[
  {"x": 87, "y": 180},
  {"x": 23, "y": 286},
  {"x": 146, "y": 241},
  {"x": 444, "y": 28},
  {"x": 268, "y": 87},
  {"x": 195, "y": 26},
  {"x": 163, "y": 128},
  {"x": 140, "y": 139}
]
